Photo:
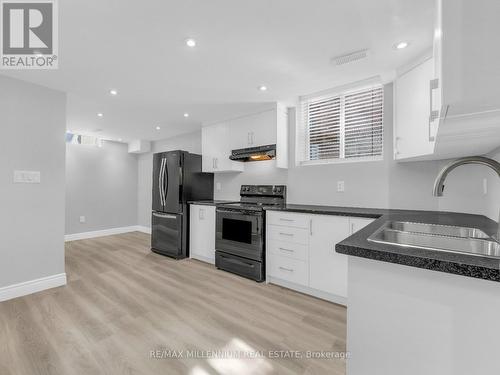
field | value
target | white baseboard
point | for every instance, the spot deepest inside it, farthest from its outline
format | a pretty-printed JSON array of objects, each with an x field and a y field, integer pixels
[
  {"x": 203, "y": 258},
  {"x": 307, "y": 290},
  {"x": 144, "y": 229},
  {"x": 33, "y": 286},
  {"x": 105, "y": 232}
]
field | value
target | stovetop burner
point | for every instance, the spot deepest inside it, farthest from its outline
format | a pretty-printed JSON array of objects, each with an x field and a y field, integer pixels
[
  {"x": 260, "y": 206},
  {"x": 258, "y": 197}
]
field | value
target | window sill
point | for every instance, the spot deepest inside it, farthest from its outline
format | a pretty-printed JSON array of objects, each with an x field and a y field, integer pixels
[{"x": 340, "y": 161}]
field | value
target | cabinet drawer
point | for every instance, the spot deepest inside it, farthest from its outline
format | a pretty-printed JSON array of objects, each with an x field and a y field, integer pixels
[
  {"x": 287, "y": 219},
  {"x": 288, "y": 249},
  {"x": 285, "y": 268},
  {"x": 288, "y": 234}
]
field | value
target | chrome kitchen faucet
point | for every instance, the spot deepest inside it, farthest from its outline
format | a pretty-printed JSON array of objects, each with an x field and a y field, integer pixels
[{"x": 439, "y": 183}]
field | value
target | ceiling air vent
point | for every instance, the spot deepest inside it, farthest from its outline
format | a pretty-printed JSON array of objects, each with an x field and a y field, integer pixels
[{"x": 350, "y": 57}]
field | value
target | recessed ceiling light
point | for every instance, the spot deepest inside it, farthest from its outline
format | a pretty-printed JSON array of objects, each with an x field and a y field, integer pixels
[
  {"x": 100, "y": 114},
  {"x": 263, "y": 88},
  {"x": 401, "y": 45},
  {"x": 158, "y": 128},
  {"x": 186, "y": 114},
  {"x": 191, "y": 43},
  {"x": 113, "y": 92}
]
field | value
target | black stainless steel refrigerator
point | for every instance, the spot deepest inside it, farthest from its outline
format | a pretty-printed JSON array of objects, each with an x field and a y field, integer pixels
[{"x": 177, "y": 179}]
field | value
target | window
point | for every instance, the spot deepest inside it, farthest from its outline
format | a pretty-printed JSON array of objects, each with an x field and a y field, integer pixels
[{"x": 342, "y": 126}]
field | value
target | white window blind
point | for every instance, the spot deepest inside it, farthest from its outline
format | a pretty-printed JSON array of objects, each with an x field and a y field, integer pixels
[{"x": 342, "y": 126}]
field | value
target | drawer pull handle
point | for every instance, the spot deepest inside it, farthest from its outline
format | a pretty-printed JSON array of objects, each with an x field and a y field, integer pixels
[
  {"x": 286, "y": 234},
  {"x": 286, "y": 269},
  {"x": 290, "y": 251},
  {"x": 281, "y": 219}
]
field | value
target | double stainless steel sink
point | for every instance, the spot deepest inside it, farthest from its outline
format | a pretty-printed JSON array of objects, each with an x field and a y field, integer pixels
[{"x": 437, "y": 237}]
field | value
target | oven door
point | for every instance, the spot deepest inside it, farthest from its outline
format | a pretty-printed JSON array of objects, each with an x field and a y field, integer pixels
[{"x": 240, "y": 233}]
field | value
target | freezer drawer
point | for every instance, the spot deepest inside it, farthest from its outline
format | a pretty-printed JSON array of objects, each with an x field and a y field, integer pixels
[{"x": 167, "y": 234}]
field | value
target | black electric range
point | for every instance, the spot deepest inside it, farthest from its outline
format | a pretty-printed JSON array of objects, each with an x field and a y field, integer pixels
[{"x": 240, "y": 230}]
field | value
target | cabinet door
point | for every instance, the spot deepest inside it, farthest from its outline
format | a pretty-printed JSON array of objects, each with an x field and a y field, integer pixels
[
  {"x": 258, "y": 129},
  {"x": 216, "y": 149},
  {"x": 240, "y": 132},
  {"x": 327, "y": 268},
  {"x": 358, "y": 223},
  {"x": 202, "y": 233},
  {"x": 413, "y": 131},
  {"x": 209, "y": 148},
  {"x": 263, "y": 128}
]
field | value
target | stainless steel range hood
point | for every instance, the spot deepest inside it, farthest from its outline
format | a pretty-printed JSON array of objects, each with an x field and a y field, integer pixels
[{"x": 254, "y": 153}]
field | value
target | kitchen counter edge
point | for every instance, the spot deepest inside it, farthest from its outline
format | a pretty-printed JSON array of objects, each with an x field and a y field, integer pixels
[{"x": 209, "y": 202}]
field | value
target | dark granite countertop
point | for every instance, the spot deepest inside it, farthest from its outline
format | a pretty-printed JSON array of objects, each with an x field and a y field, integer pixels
[
  {"x": 209, "y": 202},
  {"x": 331, "y": 210},
  {"x": 456, "y": 263}
]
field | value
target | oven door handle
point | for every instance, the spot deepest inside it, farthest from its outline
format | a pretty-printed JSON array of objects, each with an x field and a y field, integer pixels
[{"x": 239, "y": 213}]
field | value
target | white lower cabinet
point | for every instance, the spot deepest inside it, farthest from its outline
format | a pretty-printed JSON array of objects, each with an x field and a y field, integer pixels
[
  {"x": 358, "y": 223},
  {"x": 202, "y": 233},
  {"x": 288, "y": 269},
  {"x": 327, "y": 268},
  {"x": 301, "y": 252}
]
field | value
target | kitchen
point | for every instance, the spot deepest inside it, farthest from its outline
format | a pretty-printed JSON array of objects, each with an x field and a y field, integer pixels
[{"x": 269, "y": 213}]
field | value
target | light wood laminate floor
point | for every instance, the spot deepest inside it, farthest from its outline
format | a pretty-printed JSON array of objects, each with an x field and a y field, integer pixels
[{"x": 122, "y": 301}]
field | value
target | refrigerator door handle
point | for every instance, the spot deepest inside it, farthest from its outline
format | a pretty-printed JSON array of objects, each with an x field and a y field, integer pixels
[
  {"x": 165, "y": 182},
  {"x": 161, "y": 177},
  {"x": 164, "y": 216}
]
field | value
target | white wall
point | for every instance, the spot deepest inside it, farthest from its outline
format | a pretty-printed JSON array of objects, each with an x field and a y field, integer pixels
[
  {"x": 256, "y": 173},
  {"x": 32, "y": 123},
  {"x": 188, "y": 142},
  {"x": 101, "y": 184}
]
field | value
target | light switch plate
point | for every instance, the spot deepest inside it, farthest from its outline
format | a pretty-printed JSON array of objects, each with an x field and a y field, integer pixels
[
  {"x": 340, "y": 186},
  {"x": 27, "y": 177},
  {"x": 83, "y": 219},
  {"x": 218, "y": 186}
]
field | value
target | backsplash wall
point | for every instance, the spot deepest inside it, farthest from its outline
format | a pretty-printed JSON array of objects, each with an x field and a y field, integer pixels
[{"x": 256, "y": 173}]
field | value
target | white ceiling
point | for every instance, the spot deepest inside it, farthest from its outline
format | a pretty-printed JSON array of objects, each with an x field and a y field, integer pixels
[{"x": 138, "y": 48}]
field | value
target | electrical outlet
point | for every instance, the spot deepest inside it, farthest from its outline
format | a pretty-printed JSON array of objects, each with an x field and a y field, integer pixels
[
  {"x": 340, "y": 186},
  {"x": 83, "y": 219},
  {"x": 218, "y": 186},
  {"x": 27, "y": 177}
]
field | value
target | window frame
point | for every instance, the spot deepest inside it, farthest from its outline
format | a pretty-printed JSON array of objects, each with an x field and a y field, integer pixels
[{"x": 304, "y": 130}]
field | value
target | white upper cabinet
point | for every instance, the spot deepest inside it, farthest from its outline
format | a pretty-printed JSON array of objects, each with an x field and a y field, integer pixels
[
  {"x": 263, "y": 128},
  {"x": 413, "y": 131},
  {"x": 464, "y": 91},
  {"x": 216, "y": 150},
  {"x": 254, "y": 130}
]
